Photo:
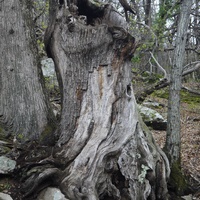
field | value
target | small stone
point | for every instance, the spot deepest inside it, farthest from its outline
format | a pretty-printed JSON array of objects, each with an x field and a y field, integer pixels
[
  {"x": 51, "y": 194},
  {"x": 4, "y": 196},
  {"x": 6, "y": 165},
  {"x": 188, "y": 197}
]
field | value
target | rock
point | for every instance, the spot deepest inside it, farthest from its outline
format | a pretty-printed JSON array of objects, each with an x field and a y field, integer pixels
[
  {"x": 48, "y": 67},
  {"x": 152, "y": 104},
  {"x": 51, "y": 193},
  {"x": 6, "y": 165},
  {"x": 56, "y": 107},
  {"x": 4, "y": 196},
  {"x": 48, "y": 70},
  {"x": 152, "y": 118},
  {"x": 188, "y": 197}
]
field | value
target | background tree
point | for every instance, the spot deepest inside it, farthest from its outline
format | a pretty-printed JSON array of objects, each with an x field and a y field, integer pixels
[
  {"x": 173, "y": 140},
  {"x": 24, "y": 110}
]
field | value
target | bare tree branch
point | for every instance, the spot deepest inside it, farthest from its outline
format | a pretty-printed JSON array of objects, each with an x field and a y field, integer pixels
[
  {"x": 186, "y": 72},
  {"x": 159, "y": 66},
  {"x": 192, "y": 63},
  {"x": 190, "y": 90}
]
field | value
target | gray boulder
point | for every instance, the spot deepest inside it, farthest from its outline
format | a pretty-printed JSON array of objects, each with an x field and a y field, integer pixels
[{"x": 152, "y": 118}]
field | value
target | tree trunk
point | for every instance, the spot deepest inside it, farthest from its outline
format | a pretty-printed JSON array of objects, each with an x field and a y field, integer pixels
[
  {"x": 147, "y": 9},
  {"x": 107, "y": 152},
  {"x": 173, "y": 139},
  {"x": 24, "y": 111}
]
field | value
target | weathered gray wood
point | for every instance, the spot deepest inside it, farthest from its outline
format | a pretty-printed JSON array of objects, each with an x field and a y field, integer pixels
[
  {"x": 24, "y": 111},
  {"x": 107, "y": 150}
]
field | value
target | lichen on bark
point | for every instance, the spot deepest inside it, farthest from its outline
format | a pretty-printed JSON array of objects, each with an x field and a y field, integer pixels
[{"x": 100, "y": 133}]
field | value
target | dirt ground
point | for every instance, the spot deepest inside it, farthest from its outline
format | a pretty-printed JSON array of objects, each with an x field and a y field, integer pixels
[{"x": 190, "y": 141}]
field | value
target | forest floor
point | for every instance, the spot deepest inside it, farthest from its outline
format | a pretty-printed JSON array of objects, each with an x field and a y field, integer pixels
[
  {"x": 190, "y": 140},
  {"x": 190, "y": 134}
]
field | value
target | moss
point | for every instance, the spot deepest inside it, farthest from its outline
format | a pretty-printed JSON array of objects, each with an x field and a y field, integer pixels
[
  {"x": 185, "y": 96},
  {"x": 190, "y": 98},
  {"x": 4, "y": 150},
  {"x": 47, "y": 136},
  {"x": 177, "y": 181},
  {"x": 4, "y": 135},
  {"x": 20, "y": 136},
  {"x": 146, "y": 74},
  {"x": 1, "y": 129},
  {"x": 161, "y": 93},
  {"x": 134, "y": 70},
  {"x": 95, "y": 2},
  {"x": 4, "y": 184},
  {"x": 136, "y": 59}
]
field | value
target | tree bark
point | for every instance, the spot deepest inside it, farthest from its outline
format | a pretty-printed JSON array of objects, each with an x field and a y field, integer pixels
[
  {"x": 147, "y": 9},
  {"x": 106, "y": 151},
  {"x": 24, "y": 111},
  {"x": 173, "y": 139}
]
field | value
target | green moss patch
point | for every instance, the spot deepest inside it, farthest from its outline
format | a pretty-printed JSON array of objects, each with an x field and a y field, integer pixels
[
  {"x": 4, "y": 184},
  {"x": 47, "y": 136},
  {"x": 184, "y": 95},
  {"x": 177, "y": 181},
  {"x": 189, "y": 98}
]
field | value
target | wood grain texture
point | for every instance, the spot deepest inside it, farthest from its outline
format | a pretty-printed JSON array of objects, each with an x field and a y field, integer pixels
[{"x": 106, "y": 151}]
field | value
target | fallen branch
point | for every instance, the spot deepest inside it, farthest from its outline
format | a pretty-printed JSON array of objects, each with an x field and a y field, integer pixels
[
  {"x": 190, "y": 90},
  {"x": 140, "y": 96},
  {"x": 190, "y": 70}
]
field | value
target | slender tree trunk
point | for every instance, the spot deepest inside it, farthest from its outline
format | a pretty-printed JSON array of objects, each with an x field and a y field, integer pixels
[
  {"x": 173, "y": 130},
  {"x": 147, "y": 9},
  {"x": 106, "y": 151},
  {"x": 196, "y": 24},
  {"x": 173, "y": 139},
  {"x": 24, "y": 112}
]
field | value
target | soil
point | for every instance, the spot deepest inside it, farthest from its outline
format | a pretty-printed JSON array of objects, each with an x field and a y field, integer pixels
[{"x": 190, "y": 141}]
